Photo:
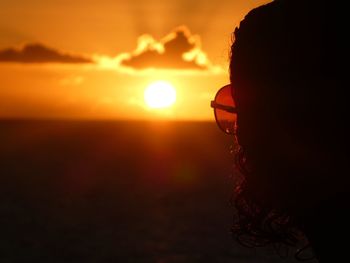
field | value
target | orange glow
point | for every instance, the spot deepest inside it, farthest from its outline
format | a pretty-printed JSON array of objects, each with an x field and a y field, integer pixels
[{"x": 99, "y": 70}]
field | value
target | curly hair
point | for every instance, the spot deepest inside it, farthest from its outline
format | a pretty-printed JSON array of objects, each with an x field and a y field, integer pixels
[
  {"x": 292, "y": 127},
  {"x": 265, "y": 56},
  {"x": 257, "y": 224}
]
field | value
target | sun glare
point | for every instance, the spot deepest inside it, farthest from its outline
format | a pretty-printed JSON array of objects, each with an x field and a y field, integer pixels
[{"x": 160, "y": 94}]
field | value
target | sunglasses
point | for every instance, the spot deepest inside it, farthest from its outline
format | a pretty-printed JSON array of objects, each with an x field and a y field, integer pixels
[{"x": 225, "y": 110}]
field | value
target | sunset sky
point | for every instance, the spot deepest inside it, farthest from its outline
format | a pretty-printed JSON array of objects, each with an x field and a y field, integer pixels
[{"x": 95, "y": 58}]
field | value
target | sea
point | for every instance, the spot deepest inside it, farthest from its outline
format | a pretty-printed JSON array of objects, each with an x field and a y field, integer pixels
[{"x": 119, "y": 191}]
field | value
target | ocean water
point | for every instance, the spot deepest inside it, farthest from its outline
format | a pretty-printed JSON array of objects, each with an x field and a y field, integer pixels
[{"x": 104, "y": 191}]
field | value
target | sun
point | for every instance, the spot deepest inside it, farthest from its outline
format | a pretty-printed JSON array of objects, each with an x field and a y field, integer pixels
[{"x": 160, "y": 94}]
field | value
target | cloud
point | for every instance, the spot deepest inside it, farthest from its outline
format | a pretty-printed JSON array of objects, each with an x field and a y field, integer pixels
[
  {"x": 38, "y": 53},
  {"x": 178, "y": 50}
]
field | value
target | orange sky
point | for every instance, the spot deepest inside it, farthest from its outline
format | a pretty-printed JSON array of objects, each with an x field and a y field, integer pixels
[{"x": 122, "y": 38}]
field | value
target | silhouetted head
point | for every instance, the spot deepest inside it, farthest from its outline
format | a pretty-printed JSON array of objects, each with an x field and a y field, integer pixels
[{"x": 291, "y": 123}]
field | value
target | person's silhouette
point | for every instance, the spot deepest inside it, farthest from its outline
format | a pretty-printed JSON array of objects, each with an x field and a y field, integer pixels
[{"x": 288, "y": 115}]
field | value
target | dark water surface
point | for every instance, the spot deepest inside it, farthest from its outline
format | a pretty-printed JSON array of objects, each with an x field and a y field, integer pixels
[{"x": 84, "y": 191}]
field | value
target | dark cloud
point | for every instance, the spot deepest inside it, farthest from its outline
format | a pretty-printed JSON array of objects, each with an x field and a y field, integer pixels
[
  {"x": 168, "y": 53},
  {"x": 38, "y": 53}
]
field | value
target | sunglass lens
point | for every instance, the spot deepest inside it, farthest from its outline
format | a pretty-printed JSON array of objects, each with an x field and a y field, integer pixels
[{"x": 225, "y": 120}]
